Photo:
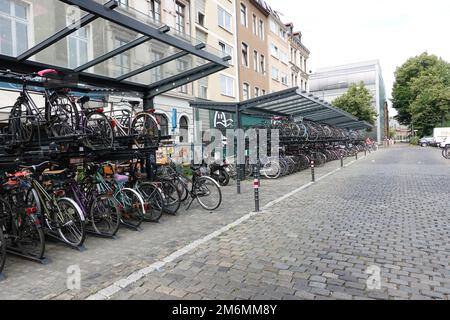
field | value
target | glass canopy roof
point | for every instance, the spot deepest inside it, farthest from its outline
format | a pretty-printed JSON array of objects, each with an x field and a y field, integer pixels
[{"x": 102, "y": 43}]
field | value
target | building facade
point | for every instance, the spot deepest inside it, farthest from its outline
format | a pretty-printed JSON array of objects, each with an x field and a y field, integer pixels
[
  {"x": 333, "y": 82},
  {"x": 252, "y": 42},
  {"x": 298, "y": 59}
]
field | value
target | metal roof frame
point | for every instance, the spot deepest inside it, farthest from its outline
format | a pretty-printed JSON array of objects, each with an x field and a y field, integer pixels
[
  {"x": 291, "y": 102},
  {"x": 95, "y": 10}
]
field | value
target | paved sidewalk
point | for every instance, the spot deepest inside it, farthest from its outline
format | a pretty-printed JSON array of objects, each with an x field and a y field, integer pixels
[
  {"x": 106, "y": 261},
  {"x": 388, "y": 212}
]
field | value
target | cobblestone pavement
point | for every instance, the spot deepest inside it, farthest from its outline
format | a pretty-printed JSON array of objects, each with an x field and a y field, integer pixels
[
  {"x": 387, "y": 211},
  {"x": 105, "y": 261}
]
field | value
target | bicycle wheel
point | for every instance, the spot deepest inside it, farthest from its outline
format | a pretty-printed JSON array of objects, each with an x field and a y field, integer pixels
[
  {"x": 70, "y": 222},
  {"x": 172, "y": 199},
  {"x": 145, "y": 127},
  {"x": 155, "y": 201},
  {"x": 62, "y": 115},
  {"x": 182, "y": 188},
  {"x": 99, "y": 131},
  {"x": 271, "y": 170},
  {"x": 30, "y": 239},
  {"x": 208, "y": 193},
  {"x": 133, "y": 210},
  {"x": 104, "y": 217},
  {"x": 2, "y": 249},
  {"x": 20, "y": 124}
]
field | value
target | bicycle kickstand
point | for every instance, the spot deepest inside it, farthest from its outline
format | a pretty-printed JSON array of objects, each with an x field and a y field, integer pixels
[{"x": 190, "y": 203}]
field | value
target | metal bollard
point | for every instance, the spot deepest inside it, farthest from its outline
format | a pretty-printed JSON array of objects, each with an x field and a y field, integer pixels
[
  {"x": 356, "y": 155},
  {"x": 256, "y": 185},
  {"x": 342, "y": 161},
  {"x": 365, "y": 152},
  {"x": 312, "y": 171}
]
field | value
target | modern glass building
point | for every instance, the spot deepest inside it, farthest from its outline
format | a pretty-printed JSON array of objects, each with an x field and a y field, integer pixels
[{"x": 330, "y": 83}]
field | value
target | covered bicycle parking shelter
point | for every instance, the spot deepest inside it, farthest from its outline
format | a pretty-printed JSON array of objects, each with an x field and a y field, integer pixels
[
  {"x": 292, "y": 103},
  {"x": 130, "y": 52}
]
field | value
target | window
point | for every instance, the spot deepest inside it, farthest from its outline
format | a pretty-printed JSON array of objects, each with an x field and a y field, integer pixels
[
  {"x": 226, "y": 86},
  {"x": 202, "y": 91},
  {"x": 123, "y": 3},
  {"x": 182, "y": 65},
  {"x": 224, "y": 19},
  {"x": 284, "y": 57},
  {"x": 256, "y": 92},
  {"x": 156, "y": 73},
  {"x": 201, "y": 18},
  {"x": 261, "y": 29},
  {"x": 263, "y": 92},
  {"x": 13, "y": 27},
  {"x": 180, "y": 17},
  {"x": 255, "y": 61},
  {"x": 78, "y": 50},
  {"x": 301, "y": 84},
  {"x": 282, "y": 33},
  {"x": 122, "y": 61},
  {"x": 255, "y": 25},
  {"x": 243, "y": 15},
  {"x": 244, "y": 54},
  {"x": 273, "y": 27},
  {"x": 284, "y": 78},
  {"x": 227, "y": 50},
  {"x": 184, "y": 129},
  {"x": 246, "y": 91},
  {"x": 155, "y": 8},
  {"x": 163, "y": 123},
  {"x": 304, "y": 67},
  {"x": 274, "y": 50},
  {"x": 263, "y": 64},
  {"x": 275, "y": 74}
]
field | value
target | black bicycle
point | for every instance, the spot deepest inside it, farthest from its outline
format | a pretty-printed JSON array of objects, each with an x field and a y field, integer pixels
[{"x": 2, "y": 248}]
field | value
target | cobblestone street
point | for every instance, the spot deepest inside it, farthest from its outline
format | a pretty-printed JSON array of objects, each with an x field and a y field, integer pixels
[{"x": 387, "y": 211}]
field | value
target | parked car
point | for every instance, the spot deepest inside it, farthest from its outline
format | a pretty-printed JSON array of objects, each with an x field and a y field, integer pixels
[{"x": 426, "y": 141}]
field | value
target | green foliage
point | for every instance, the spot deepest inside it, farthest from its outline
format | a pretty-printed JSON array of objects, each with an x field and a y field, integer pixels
[
  {"x": 357, "y": 101},
  {"x": 414, "y": 141},
  {"x": 421, "y": 93}
]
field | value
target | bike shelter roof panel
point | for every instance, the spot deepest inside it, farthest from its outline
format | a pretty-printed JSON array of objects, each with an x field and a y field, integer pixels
[
  {"x": 291, "y": 102},
  {"x": 101, "y": 42}
]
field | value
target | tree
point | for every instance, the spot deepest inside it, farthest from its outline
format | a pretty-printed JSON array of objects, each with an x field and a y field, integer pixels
[
  {"x": 421, "y": 93},
  {"x": 358, "y": 102}
]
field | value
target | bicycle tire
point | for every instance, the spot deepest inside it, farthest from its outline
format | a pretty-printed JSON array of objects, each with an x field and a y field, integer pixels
[
  {"x": 57, "y": 102},
  {"x": 154, "y": 200},
  {"x": 203, "y": 186},
  {"x": 104, "y": 217},
  {"x": 2, "y": 249},
  {"x": 145, "y": 127},
  {"x": 172, "y": 199},
  {"x": 133, "y": 208},
  {"x": 70, "y": 221},
  {"x": 99, "y": 131}
]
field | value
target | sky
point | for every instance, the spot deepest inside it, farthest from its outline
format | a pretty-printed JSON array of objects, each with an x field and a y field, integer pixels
[{"x": 346, "y": 31}]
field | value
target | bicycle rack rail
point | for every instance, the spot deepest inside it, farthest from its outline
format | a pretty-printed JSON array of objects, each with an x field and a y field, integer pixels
[{"x": 18, "y": 253}]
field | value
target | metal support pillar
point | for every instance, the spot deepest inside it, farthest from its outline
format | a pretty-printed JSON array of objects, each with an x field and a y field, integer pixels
[
  {"x": 238, "y": 155},
  {"x": 150, "y": 161}
]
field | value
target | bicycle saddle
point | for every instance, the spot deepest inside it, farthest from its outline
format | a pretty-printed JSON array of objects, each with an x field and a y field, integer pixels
[
  {"x": 83, "y": 100},
  {"x": 45, "y": 72},
  {"x": 53, "y": 172},
  {"x": 133, "y": 103},
  {"x": 120, "y": 178}
]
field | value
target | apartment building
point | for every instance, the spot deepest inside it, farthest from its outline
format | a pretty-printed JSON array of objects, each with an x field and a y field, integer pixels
[
  {"x": 279, "y": 66},
  {"x": 252, "y": 38},
  {"x": 298, "y": 59}
]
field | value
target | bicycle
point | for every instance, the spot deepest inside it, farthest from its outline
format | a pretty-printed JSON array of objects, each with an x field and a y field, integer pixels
[
  {"x": 60, "y": 117},
  {"x": 104, "y": 219},
  {"x": 204, "y": 189},
  {"x": 128, "y": 122},
  {"x": 58, "y": 214},
  {"x": 21, "y": 223},
  {"x": 130, "y": 202}
]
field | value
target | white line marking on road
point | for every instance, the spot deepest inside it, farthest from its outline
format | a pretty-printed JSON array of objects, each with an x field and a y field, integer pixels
[{"x": 108, "y": 292}]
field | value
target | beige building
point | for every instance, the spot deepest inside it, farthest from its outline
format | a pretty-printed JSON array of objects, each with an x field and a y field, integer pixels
[
  {"x": 298, "y": 59},
  {"x": 279, "y": 68},
  {"x": 252, "y": 43}
]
